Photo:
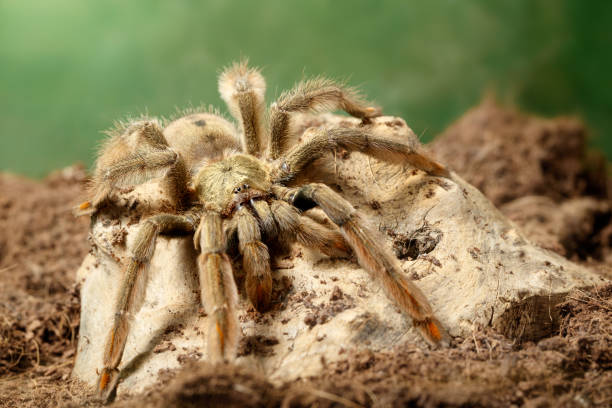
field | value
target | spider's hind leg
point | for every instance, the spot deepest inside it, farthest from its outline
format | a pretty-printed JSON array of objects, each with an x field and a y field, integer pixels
[
  {"x": 373, "y": 256},
  {"x": 131, "y": 292}
]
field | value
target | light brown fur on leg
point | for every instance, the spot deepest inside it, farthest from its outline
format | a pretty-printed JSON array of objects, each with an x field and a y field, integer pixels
[
  {"x": 308, "y": 232},
  {"x": 133, "y": 154},
  {"x": 376, "y": 259},
  {"x": 218, "y": 289},
  {"x": 314, "y": 96},
  {"x": 265, "y": 217},
  {"x": 243, "y": 90},
  {"x": 354, "y": 139},
  {"x": 131, "y": 291},
  {"x": 255, "y": 260}
]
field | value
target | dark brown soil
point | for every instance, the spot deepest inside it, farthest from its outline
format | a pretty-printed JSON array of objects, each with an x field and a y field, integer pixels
[
  {"x": 41, "y": 247},
  {"x": 535, "y": 169},
  {"x": 508, "y": 154},
  {"x": 539, "y": 172},
  {"x": 572, "y": 368}
]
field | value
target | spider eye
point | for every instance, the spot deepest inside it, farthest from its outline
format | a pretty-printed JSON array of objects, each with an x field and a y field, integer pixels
[
  {"x": 245, "y": 186},
  {"x": 236, "y": 190}
]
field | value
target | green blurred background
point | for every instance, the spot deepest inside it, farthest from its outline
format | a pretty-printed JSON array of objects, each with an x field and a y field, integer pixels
[{"x": 69, "y": 68}]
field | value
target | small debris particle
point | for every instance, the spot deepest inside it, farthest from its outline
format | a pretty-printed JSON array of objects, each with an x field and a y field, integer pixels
[
  {"x": 474, "y": 252},
  {"x": 189, "y": 357},
  {"x": 310, "y": 320},
  {"x": 336, "y": 294},
  {"x": 257, "y": 345},
  {"x": 419, "y": 242},
  {"x": 165, "y": 346}
]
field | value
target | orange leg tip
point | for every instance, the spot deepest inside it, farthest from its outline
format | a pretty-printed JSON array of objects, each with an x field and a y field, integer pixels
[
  {"x": 434, "y": 331},
  {"x": 85, "y": 205},
  {"x": 440, "y": 170},
  {"x": 112, "y": 343},
  {"x": 372, "y": 110},
  {"x": 341, "y": 246},
  {"x": 220, "y": 333},
  {"x": 262, "y": 298},
  {"x": 104, "y": 380}
]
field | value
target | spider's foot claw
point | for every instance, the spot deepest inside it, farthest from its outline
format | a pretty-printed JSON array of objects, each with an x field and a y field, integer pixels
[
  {"x": 433, "y": 332},
  {"x": 107, "y": 386},
  {"x": 373, "y": 111},
  {"x": 258, "y": 286},
  {"x": 261, "y": 296},
  {"x": 440, "y": 170},
  {"x": 282, "y": 264},
  {"x": 85, "y": 208}
]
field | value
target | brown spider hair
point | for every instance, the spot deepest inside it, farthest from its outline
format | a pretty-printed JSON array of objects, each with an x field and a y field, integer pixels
[{"x": 245, "y": 187}]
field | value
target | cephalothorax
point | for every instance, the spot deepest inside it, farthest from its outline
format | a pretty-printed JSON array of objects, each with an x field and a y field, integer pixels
[{"x": 241, "y": 191}]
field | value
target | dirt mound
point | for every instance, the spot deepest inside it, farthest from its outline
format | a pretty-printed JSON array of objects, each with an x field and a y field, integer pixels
[
  {"x": 572, "y": 368},
  {"x": 506, "y": 154},
  {"x": 41, "y": 246},
  {"x": 539, "y": 172},
  {"x": 487, "y": 370}
]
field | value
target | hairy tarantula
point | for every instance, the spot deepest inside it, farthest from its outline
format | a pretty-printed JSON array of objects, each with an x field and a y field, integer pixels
[{"x": 244, "y": 187}]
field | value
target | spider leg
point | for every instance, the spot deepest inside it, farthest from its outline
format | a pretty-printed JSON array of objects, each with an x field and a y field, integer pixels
[
  {"x": 218, "y": 289},
  {"x": 243, "y": 89},
  {"x": 307, "y": 231},
  {"x": 314, "y": 96},
  {"x": 354, "y": 139},
  {"x": 255, "y": 259},
  {"x": 131, "y": 291},
  {"x": 373, "y": 256},
  {"x": 267, "y": 222},
  {"x": 120, "y": 164}
]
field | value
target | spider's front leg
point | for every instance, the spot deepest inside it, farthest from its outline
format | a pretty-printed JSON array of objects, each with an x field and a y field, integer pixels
[
  {"x": 372, "y": 256},
  {"x": 131, "y": 291},
  {"x": 218, "y": 289},
  {"x": 243, "y": 90},
  {"x": 393, "y": 150},
  {"x": 315, "y": 96},
  {"x": 308, "y": 232},
  {"x": 255, "y": 256},
  {"x": 277, "y": 220},
  {"x": 138, "y": 154}
]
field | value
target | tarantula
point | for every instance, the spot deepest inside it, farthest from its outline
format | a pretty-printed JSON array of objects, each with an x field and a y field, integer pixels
[{"x": 244, "y": 187}]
